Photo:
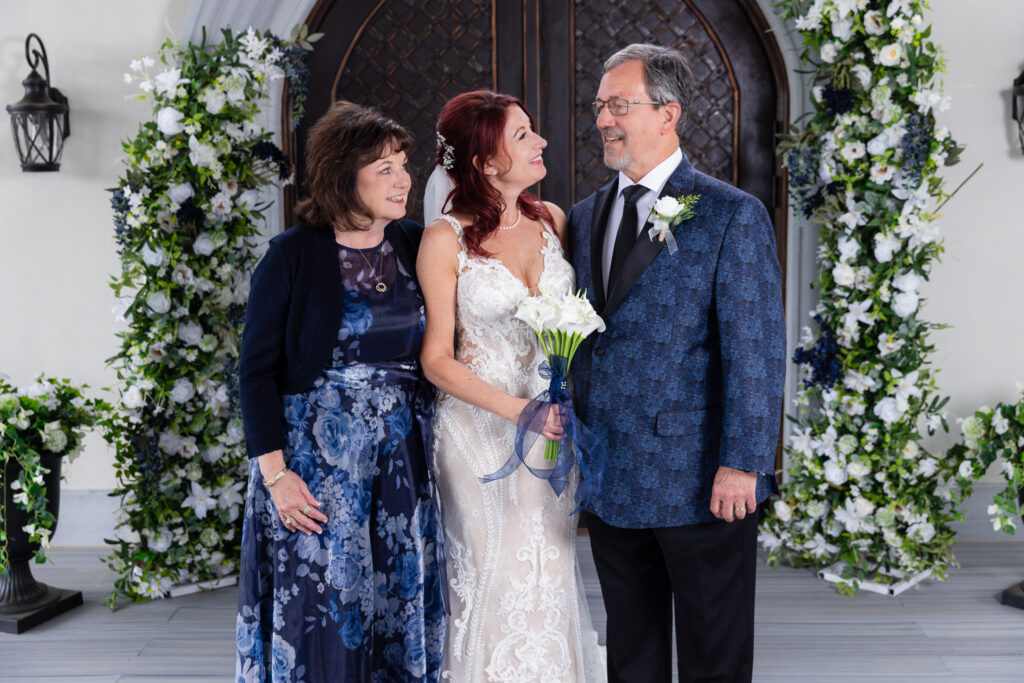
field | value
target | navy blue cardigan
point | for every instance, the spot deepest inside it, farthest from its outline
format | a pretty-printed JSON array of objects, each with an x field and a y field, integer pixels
[{"x": 291, "y": 323}]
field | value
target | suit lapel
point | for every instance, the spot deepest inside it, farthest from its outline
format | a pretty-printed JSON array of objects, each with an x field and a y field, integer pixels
[
  {"x": 598, "y": 229},
  {"x": 645, "y": 249}
]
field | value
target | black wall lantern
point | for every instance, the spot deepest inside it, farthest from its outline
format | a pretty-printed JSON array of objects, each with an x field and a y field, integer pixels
[
  {"x": 1018, "y": 108},
  {"x": 40, "y": 120}
]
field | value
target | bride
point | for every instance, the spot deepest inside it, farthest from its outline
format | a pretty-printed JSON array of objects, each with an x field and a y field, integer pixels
[{"x": 518, "y": 609}]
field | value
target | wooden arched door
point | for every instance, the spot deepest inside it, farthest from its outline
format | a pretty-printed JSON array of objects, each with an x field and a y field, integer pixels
[{"x": 407, "y": 57}]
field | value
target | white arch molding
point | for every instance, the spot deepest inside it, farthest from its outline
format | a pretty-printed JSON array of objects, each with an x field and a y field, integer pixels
[{"x": 280, "y": 17}]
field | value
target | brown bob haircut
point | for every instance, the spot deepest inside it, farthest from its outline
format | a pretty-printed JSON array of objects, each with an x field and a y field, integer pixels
[{"x": 344, "y": 140}]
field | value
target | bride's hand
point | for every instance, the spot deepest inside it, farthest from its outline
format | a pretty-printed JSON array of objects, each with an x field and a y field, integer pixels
[{"x": 552, "y": 429}]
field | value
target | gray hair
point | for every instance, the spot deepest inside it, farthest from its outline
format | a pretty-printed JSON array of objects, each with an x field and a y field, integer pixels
[{"x": 668, "y": 75}]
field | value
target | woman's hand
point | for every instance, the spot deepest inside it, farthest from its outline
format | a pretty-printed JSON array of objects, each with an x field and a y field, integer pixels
[
  {"x": 552, "y": 429},
  {"x": 292, "y": 498}
]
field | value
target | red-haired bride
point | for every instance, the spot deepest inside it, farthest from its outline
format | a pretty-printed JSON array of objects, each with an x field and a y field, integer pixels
[{"x": 518, "y": 609}]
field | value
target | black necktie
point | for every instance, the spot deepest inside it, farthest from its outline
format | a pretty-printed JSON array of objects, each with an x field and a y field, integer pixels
[{"x": 626, "y": 235}]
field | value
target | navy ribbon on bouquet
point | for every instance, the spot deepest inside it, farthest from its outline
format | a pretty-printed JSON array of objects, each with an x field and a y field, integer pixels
[{"x": 579, "y": 446}]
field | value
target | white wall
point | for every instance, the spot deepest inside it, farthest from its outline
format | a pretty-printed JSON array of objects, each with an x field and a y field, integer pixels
[
  {"x": 977, "y": 288},
  {"x": 56, "y": 244}
]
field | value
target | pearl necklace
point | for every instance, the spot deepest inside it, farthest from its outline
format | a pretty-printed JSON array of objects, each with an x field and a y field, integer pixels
[{"x": 519, "y": 217}]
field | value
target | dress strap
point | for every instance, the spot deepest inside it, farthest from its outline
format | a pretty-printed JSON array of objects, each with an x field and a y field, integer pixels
[{"x": 457, "y": 227}]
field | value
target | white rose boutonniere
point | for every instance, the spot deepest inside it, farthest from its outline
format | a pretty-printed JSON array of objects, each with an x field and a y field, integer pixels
[{"x": 669, "y": 212}]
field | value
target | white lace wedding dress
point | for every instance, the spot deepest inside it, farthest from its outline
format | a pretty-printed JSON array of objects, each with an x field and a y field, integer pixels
[{"x": 519, "y": 613}]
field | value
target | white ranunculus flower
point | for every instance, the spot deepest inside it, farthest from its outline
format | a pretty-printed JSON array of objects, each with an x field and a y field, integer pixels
[
  {"x": 852, "y": 151},
  {"x": 783, "y": 511},
  {"x": 214, "y": 99},
  {"x": 200, "y": 154},
  {"x": 847, "y": 444},
  {"x": 848, "y": 248},
  {"x": 905, "y": 303},
  {"x": 873, "y": 23},
  {"x": 159, "y": 302},
  {"x": 667, "y": 206},
  {"x": 835, "y": 473},
  {"x": 183, "y": 391},
  {"x": 843, "y": 274},
  {"x": 190, "y": 333},
  {"x": 183, "y": 275},
  {"x": 166, "y": 82},
  {"x": 168, "y": 121},
  {"x": 888, "y": 410},
  {"x": 132, "y": 398},
  {"x": 203, "y": 245},
  {"x": 153, "y": 257},
  {"x": 815, "y": 509},
  {"x": 890, "y": 55},
  {"x": 907, "y": 282}
]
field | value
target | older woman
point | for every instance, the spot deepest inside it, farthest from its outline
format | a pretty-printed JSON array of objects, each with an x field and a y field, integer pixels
[{"x": 341, "y": 578}]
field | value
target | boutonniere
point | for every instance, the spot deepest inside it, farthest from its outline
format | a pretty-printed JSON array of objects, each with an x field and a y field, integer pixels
[{"x": 667, "y": 213}]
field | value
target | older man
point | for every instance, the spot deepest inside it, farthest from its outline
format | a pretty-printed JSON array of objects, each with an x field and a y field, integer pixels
[{"x": 684, "y": 386}]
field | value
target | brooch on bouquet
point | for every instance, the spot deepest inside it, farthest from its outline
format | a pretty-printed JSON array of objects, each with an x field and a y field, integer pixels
[
  {"x": 667, "y": 213},
  {"x": 561, "y": 323}
]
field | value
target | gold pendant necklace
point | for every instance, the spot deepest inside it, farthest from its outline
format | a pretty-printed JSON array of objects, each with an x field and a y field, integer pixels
[{"x": 380, "y": 286}]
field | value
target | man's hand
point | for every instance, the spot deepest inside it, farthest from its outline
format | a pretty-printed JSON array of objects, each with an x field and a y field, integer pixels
[{"x": 732, "y": 494}]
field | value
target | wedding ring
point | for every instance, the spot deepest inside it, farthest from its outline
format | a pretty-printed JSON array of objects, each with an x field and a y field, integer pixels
[
  {"x": 741, "y": 508},
  {"x": 306, "y": 509},
  {"x": 288, "y": 521}
]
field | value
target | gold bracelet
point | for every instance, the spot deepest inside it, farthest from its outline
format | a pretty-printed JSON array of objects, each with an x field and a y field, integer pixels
[{"x": 276, "y": 478}]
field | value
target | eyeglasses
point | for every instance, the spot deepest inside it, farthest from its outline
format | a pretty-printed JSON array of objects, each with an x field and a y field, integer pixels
[{"x": 618, "y": 106}]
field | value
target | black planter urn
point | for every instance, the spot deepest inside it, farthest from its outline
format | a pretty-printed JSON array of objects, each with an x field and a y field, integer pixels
[
  {"x": 1014, "y": 595},
  {"x": 25, "y": 602}
]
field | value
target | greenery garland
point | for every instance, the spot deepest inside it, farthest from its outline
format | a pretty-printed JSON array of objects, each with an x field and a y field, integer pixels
[
  {"x": 859, "y": 488},
  {"x": 185, "y": 212},
  {"x": 988, "y": 434},
  {"x": 47, "y": 416}
]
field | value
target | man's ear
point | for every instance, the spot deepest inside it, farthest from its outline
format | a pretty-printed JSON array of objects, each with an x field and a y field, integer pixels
[{"x": 671, "y": 111}]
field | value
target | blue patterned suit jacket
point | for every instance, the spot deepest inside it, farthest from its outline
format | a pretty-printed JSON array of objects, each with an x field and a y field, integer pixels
[{"x": 689, "y": 373}]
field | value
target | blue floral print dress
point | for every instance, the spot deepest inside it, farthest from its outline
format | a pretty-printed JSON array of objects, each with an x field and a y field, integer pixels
[{"x": 363, "y": 601}]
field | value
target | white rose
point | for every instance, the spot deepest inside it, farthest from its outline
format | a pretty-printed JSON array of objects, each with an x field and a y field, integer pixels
[
  {"x": 905, "y": 303},
  {"x": 888, "y": 410},
  {"x": 848, "y": 248},
  {"x": 168, "y": 121},
  {"x": 667, "y": 206},
  {"x": 190, "y": 333},
  {"x": 183, "y": 391},
  {"x": 153, "y": 257},
  {"x": 858, "y": 469},
  {"x": 885, "y": 245},
  {"x": 922, "y": 531},
  {"x": 203, "y": 245},
  {"x": 179, "y": 193},
  {"x": 159, "y": 302},
  {"x": 183, "y": 275},
  {"x": 169, "y": 442},
  {"x": 213, "y": 454},
  {"x": 835, "y": 473},
  {"x": 907, "y": 282},
  {"x": 783, "y": 511},
  {"x": 843, "y": 274},
  {"x": 214, "y": 100},
  {"x": 159, "y": 541},
  {"x": 890, "y": 55},
  {"x": 862, "y": 507},
  {"x": 132, "y": 399}
]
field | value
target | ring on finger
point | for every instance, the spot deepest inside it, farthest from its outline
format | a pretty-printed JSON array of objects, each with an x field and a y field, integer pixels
[
  {"x": 306, "y": 509},
  {"x": 289, "y": 520}
]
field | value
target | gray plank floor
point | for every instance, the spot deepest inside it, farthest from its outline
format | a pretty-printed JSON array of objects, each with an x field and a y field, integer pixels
[{"x": 945, "y": 631}]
